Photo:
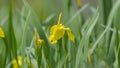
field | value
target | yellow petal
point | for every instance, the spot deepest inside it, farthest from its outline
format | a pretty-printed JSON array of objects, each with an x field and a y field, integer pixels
[
  {"x": 40, "y": 41},
  {"x": 19, "y": 59},
  {"x": 60, "y": 17},
  {"x": 53, "y": 29},
  {"x": 52, "y": 40},
  {"x": 59, "y": 32},
  {"x": 70, "y": 35},
  {"x": 51, "y": 37},
  {"x": 79, "y": 2},
  {"x": 2, "y": 35},
  {"x": 56, "y": 32}
]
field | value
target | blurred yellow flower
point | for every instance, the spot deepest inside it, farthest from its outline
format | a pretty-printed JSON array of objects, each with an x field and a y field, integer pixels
[
  {"x": 38, "y": 41},
  {"x": 57, "y": 31},
  {"x": 19, "y": 59},
  {"x": 89, "y": 58},
  {"x": 2, "y": 35},
  {"x": 15, "y": 65},
  {"x": 79, "y": 3}
]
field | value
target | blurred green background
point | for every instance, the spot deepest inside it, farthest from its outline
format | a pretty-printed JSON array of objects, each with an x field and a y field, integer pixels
[{"x": 94, "y": 23}]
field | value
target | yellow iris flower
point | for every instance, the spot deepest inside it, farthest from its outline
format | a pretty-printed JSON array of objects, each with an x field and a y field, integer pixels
[
  {"x": 79, "y": 3},
  {"x": 36, "y": 39},
  {"x": 57, "y": 31},
  {"x": 19, "y": 59},
  {"x": 2, "y": 35},
  {"x": 15, "y": 65}
]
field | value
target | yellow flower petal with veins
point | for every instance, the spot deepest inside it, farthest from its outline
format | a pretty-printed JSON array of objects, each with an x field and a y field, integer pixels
[
  {"x": 57, "y": 32},
  {"x": 2, "y": 35}
]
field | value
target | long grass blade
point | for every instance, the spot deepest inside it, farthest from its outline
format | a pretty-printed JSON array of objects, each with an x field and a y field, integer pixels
[
  {"x": 110, "y": 18},
  {"x": 85, "y": 38},
  {"x": 36, "y": 22}
]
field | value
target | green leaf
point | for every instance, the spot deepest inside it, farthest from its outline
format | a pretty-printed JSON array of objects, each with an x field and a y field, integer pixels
[
  {"x": 117, "y": 38},
  {"x": 12, "y": 39},
  {"x": 85, "y": 39},
  {"x": 62, "y": 62},
  {"x": 36, "y": 22},
  {"x": 107, "y": 5},
  {"x": 117, "y": 46},
  {"x": 77, "y": 13},
  {"x": 118, "y": 59},
  {"x": 109, "y": 22},
  {"x": 23, "y": 43}
]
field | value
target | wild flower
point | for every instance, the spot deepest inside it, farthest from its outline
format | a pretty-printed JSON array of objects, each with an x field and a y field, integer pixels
[
  {"x": 15, "y": 64},
  {"x": 2, "y": 35},
  {"x": 19, "y": 64},
  {"x": 57, "y": 31},
  {"x": 79, "y": 3}
]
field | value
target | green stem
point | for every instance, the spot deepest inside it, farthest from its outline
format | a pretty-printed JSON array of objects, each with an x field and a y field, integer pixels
[
  {"x": 107, "y": 5},
  {"x": 23, "y": 43},
  {"x": 11, "y": 40}
]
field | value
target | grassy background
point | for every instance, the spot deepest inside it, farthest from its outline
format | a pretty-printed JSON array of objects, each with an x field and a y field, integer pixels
[{"x": 95, "y": 25}]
